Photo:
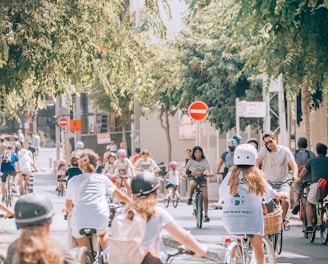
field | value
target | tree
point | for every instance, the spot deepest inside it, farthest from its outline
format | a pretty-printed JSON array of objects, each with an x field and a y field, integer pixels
[{"x": 45, "y": 45}]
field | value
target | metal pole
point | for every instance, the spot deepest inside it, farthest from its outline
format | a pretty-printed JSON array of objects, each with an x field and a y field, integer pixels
[
  {"x": 197, "y": 133},
  {"x": 57, "y": 128},
  {"x": 237, "y": 117},
  {"x": 266, "y": 99},
  {"x": 282, "y": 112}
]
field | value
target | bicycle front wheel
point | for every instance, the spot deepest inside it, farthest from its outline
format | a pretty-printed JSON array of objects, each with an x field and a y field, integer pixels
[
  {"x": 9, "y": 195},
  {"x": 83, "y": 255},
  {"x": 303, "y": 216},
  {"x": 235, "y": 255},
  {"x": 324, "y": 226},
  {"x": 199, "y": 215},
  {"x": 269, "y": 251},
  {"x": 167, "y": 202},
  {"x": 175, "y": 200}
]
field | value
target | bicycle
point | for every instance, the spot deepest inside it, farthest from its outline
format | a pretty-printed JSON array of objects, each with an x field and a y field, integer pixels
[
  {"x": 9, "y": 197},
  {"x": 320, "y": 222},
  {"x": 302, "y": 202},
  {"x": 239, "y": 250},
  {"x": 92, "y": 255},
  {"x": 25, "y": 184},
  {"x": 172, "y": 196},
  {"x": 60, "y": 188},
  {"x": 199, "y": 202}
]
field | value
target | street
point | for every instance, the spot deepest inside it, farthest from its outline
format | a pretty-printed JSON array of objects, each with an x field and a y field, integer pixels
[{"x": 296, "y": 249}]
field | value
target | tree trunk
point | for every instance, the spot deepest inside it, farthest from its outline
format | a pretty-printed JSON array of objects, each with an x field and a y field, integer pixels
[
  {"x": 306, "y": 113},
  {"x": 166, "y": 127}
]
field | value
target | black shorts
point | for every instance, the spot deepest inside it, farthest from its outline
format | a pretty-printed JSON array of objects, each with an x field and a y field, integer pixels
[
  {"x": 201, "y": 179},
  {"x": 170, "y": 185},
  {"x": 6, "y": 173}
]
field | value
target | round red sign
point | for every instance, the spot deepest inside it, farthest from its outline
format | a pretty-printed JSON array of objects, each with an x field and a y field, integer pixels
[
  {"x": 63, "y": 121},
  {"x": 198, "y": 110}
]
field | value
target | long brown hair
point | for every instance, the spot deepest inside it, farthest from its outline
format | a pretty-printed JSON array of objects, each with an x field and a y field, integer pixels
[
  {"x": 253, "y": 177},
  {"x": 144, "y": 205},
  {"x": 35, "y": 246}
]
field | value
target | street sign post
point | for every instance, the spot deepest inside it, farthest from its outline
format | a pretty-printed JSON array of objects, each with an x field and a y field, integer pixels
[
  {"x": 63, "y": 121},
  {"x": 198, "y": 110}
]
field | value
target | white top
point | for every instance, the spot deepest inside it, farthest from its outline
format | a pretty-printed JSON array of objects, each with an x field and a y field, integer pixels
[
  {"x": 126, "y": 165},
  {"x": 198, "y": 166},
  {"x": 174, "y": 179},
  {"x": 275, "y": 164},
  {"x": 36, "y": 141},
  {"x": 243, "y": 213},
  {"x": 152, "y": 239},
  {"x": 143, "y": 165},
  {"x": 25, "y": 160},
  {"x": 88, "y": 194}
]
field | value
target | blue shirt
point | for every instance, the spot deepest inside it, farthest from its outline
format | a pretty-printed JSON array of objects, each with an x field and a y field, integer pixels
[{"x": 10, "y": 164}]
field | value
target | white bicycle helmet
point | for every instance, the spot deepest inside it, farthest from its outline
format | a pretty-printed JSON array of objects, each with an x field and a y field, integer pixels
[
  {"x": 61, "y": 162},
  {"x": 232, "y": 143},
  {"x": 79, "y": 145},
  {"x": 245, "y": 154}
]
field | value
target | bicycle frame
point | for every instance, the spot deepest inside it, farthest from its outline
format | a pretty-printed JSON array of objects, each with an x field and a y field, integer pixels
[
  {"x": 302, "y": 202},
  {"x": 320, "y": 222},
  {"x": 198, "y": 205}
]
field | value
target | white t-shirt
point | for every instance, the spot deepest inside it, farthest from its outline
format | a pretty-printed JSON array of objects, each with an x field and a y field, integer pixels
[
  {"x": 275, "y": 164},
  {"x": 25, "y": 160},
  {"x": 243, "y": 213},
  {"x": 152, "y": 239},
  {"x": 145, "y": 165},
  {"x": 126, "y": 165},
  {"x": 197, "y": 166},
  {"x": 90, "y": 205}
]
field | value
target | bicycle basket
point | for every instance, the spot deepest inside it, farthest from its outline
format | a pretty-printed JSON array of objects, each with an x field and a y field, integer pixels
[{"x": 272, "y": 221}]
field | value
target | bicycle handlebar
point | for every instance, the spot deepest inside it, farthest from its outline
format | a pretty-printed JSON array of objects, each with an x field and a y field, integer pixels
[{"x": 181, "y": 250}]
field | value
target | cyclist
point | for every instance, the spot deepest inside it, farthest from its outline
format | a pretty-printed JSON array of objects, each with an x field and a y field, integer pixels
[
  {"x": 302, "y": 155},
  {"x": 33, "y": 215},
  {"x": 199, "y": 166},
  {"x": 241, "y": 193},
  {"x": 87, "y": 193},
  {"x": 108, "y": 167},
  {"x": 3, "y": 144},
  {"x": 254, "y": 142},
  {"x": 173, "y": 177},
  {"x": 227, "y": 157},
  {"x": 74, "y": 170},
  {"x": 78, "y": 149},
  {"x": 318, "y": 167},
  {"x": 145, "y": 189},
  {"x": 136, "y": 155},
  {"x": 145, "y": 163},
  {"x": 9, "y": 166},
  {"x": 26, "y": 162},
  {"x": 276, "y": 161},
  {"x": 237, "y": 137},
  {"x": 60, "y": 171},
  {"x": 123, "y": 167}
]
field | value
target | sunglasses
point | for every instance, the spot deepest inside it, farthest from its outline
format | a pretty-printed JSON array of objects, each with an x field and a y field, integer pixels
[
  {"x": 85, "y": 160},
  {"x": 268, "y": 142}
]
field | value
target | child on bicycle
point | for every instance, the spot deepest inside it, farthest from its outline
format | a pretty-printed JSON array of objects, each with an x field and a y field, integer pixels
[
  {"x": 72, "y": 171},
  {"x": 60, "y": 172},
  {"x": 123, "y": 168},
  {"x": 173, "y": 178},
  {"x": 108, "y": 166},
  {"x": 242, "y": 193}
]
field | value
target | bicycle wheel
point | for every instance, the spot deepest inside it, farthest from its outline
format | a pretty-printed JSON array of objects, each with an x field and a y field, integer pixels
[
  {"x": 175, "y": 200},
  {"x": 84, "y": 253},
  {"x": 2, "y": 259},
  {"x": 279, "y": 241},
  {"x": 269, "y": 251},
  {"x": 324, "y": 226},
  {"x": 234, "y": 254},
  {"x": 303, "y": 216},
  {"x": 8, "y": 194},
  {"x": 199, "y": 205},
  {"x": 314, "y": 224},
  {"x": 167, "y": 202}
]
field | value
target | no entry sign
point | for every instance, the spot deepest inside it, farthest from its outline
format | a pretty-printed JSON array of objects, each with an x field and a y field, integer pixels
[
  {"x": 63, "y": 121},
  {"x": 198, "y": 110}
]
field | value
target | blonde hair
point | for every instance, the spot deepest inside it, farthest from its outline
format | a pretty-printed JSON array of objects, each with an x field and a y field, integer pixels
[
  {"x": 144, "y": 205},
  {"x": 35, "y": 246},
  {"x": 253, "y": 177}
]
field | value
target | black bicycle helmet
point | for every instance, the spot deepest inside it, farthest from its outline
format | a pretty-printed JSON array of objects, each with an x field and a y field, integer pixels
[
  {"x": 144, "y": 183},
  {"x": 33, "y": 209},
  {"x": 253, "y": 140}
]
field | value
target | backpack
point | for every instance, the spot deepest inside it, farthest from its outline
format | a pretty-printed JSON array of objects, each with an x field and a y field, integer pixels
[
  {"x": 229, "y": 159},
  {"x": 126, "y": 241},
  {"x": 301, "y": 161},
  {"x": 322, "y": 186},
  {"x": 6, "y": 155}
]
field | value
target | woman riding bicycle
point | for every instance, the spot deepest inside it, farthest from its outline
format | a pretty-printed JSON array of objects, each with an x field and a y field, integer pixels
[
  {"x": 87, "y": 193},
  {"x": 144, "y": 189},
  {"x": 199, "y": 167},
  {"x": 241, "y": 193}
]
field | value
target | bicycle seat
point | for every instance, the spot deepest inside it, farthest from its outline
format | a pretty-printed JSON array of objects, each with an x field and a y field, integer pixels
[{"x": 87, "y": 231}]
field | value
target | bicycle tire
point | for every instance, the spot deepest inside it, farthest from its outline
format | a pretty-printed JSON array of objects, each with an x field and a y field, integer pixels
[
  {"x": 175, "y": 200},
  {"x": 234, "y": 255},
  {"x": 167, "y": 202},
  {"x": 8, "y": 194},
  {"x": 2, "y": 259},
  {"x": 303, "y": 216},
  {"x": 268, "y": 251},
  {"x": 89, "y": 259},
  {"x": 80, "y": 253},
  {"x": 314, "y": 224},
  {"x": 199, "y": 215},
  {"x": 324, "y": 226}
]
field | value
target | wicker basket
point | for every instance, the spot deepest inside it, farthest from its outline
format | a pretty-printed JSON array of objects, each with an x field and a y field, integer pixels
[{"x": 272, "y": 221}]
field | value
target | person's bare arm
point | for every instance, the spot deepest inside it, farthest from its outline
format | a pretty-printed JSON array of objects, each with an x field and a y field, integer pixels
[
  {"x": 185, "y": 238},
  {"x": 220, "y": 163},
  {"x": 68, "y": 205},
  {"x": 259, "y": 161},
  {"x": 294, "y": 168},
  {"x": 8, "y": 212},
  {"x": 304, "y": 171},
  {"x": 121, "y": 196}
]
